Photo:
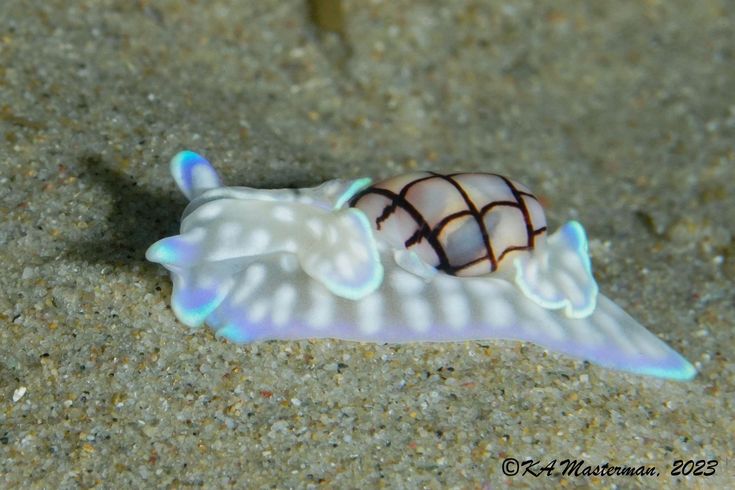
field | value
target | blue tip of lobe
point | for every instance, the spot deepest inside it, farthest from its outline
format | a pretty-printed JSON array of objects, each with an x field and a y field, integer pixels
[
  {"x": 233, "y": 333},
  {"x": 193, "y": 173}
]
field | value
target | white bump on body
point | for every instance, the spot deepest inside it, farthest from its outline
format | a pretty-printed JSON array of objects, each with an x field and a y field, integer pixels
[
  {"x": 207, "y": 281},
  {"x": 283, "y": 300},
  {"x": 446, "y": 284},
  {"x": 332, "y": 235},
  {"x": 288, "y": 262},
  {"x": 344, "y": 265},
  {"x": 406, "y": 283},
  {"x": 282, "y": 213},
  {"x": 417, "y": 313},
  {"x": 359, "y": 250},
  {"x": 316, "y": 226},
  {"x": 456, "y": 310},
  {"x": 259, "y": 239},
  {"x": 195, "y": 235},
  {"x": 229, "y": 232},
  {"x": 322, "y": 307},
  {"x": 290, "y": 245},
  {"x": 498, "y": 313},
  {"x": 253, "y": 277},
  {"x": 370, "y": 313},
  {"x": 258, "y": 311},
  {"x": 210, "y": 211}
]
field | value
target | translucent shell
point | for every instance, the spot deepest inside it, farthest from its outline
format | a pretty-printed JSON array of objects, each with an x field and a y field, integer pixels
[{"x": 463, "y": 224}]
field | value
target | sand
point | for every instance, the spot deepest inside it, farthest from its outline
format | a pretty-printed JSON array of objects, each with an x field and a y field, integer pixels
[{"x": 620, "y": 115}]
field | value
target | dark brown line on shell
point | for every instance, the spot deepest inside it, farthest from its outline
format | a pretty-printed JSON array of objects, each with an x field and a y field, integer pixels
[
  {"x": 524, "y": 210},
  {"x": 422, "y": 226},
  {"x": 390, "y": 209},
  {"x": 424, "y": 231},
  {"x": 478, "y": 219}
]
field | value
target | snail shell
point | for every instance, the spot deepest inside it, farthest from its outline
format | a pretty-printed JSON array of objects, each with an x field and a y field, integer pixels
[{"x": 463, "y": 224}]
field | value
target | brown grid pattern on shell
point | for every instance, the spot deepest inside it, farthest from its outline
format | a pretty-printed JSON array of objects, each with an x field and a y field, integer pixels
[{"x": 431, "y": 234}]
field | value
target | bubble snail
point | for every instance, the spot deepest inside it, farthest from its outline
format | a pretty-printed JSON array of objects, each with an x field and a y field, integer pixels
[{"x": 418, "y": 257}]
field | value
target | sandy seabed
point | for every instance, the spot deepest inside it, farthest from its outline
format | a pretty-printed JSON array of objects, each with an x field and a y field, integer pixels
[{"x": 621, "y": 116}]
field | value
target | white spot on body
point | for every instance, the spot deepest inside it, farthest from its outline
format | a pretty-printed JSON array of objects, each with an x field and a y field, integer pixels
[
  {"x": 290, "y": 246},
  {"x": 195, "y": 235},
  {"x": 259, "y": 239},
  {"x": 370, "y": 313},
  {"x": 344, "y": 265},
  {"x": 230, "y": 232},
  {"x": 359, "y": 250},
  {"x": 283, "y": 213},
  {"x": 418, "y": 314},
  {"x": 254, "y": 275},
  {"x": 322, "y": 307},
  {"x": 316, "y": 226},
  {"x": 406, "y": 283},
  {"x": 498, "y": 313},
  {"x": 288, "y": 262},
  {"x": 332, "y": 235},
  {"x": 258, "y": 310},
  {"x": 456, "y": 310},
  {"x": 204, "y": 280},
  {"x": 283, "y": 300},
  {"x": 447, "y": 284},
  {"x": 210, "y": 211}
]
